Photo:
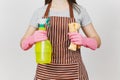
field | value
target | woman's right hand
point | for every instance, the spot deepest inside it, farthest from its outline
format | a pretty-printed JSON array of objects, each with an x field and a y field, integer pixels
[{"x": 37, "y": 36}]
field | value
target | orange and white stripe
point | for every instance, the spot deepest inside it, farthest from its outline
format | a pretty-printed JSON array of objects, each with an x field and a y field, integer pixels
[{"x": 66, "y": 64}]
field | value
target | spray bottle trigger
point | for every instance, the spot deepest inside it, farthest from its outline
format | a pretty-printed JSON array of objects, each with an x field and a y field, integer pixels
[{"x": 48, "y": 22}]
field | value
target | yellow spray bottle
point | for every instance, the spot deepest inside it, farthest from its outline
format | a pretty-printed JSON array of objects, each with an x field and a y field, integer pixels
[{"x": 43, "y": 49}]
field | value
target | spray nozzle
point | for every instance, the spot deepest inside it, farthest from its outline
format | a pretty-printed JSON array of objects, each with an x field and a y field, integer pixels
[{"x": 44, "y": 21}]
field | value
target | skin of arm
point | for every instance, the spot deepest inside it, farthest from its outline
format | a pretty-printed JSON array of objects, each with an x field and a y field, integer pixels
[
  {"x": 28, "y": 33},
  {"x": 90, "y": 32}
]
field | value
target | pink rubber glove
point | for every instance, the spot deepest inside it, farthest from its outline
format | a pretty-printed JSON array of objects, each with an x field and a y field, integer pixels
[
  {"x": 39, "y": 35},
  {"x": 25, "y": 44},
  {"x": 78, "y": 39}
]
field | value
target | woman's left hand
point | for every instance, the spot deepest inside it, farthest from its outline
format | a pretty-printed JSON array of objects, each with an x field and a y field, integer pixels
[{"x": 78, "y": 39}]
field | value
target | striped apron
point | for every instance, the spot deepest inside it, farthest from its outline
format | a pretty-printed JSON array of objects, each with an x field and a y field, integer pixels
[{"x": 66, "y": 64}]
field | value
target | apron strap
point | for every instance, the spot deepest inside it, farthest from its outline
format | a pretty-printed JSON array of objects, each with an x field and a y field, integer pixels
[
  {"x": 48, "y": 9},
  {"x": 71, "y": 11}
]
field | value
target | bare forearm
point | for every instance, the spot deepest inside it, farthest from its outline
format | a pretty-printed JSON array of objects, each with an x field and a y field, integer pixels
[
  {"x": 28, "y": 33},
  {"x": 91, "y": 33}
]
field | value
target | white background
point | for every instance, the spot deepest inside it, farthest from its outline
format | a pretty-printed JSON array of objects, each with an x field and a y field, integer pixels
[{"x": 102, "y": 64}]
